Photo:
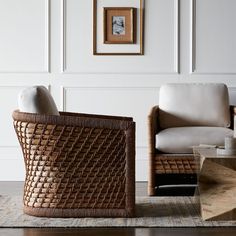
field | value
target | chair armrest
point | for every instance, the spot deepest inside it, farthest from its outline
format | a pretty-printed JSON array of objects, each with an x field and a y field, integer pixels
[
  {"x": 153, "y": 128},
  {"x": 232, "y": 114}
]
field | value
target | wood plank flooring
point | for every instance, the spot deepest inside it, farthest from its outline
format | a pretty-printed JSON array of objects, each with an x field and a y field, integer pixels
[
  {"x": 119, "y": 232},
  {"x": 16, "y": 188}
]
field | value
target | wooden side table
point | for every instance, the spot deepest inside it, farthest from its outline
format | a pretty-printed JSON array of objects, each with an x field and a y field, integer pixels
[{"x": 216, "y": 184}]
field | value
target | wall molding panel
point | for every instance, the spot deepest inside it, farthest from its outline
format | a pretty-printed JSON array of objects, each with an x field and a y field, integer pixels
[
  {"x": 79, "y": 70},
  {"x": 64, "y": 91},
  {"x": 193, "y": 45},
  {"x": 177, "y": 37},
  {"x": 46, "y": 64}
]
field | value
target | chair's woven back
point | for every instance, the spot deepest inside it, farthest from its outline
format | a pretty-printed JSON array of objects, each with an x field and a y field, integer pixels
[{"x": 74, "y": 166}]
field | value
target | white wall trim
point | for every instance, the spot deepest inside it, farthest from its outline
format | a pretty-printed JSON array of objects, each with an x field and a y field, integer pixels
[
  {"x": 48, "y": 36},
  {"x": 176, "y": 67},
  {"x": 192, "y": 36},
  {"x": 193, "y": 53},
  {"x": 46, "y": 50},
  {"x": 62, "y": 98},
  {"x": 63, "y": 36},
  {"x": 177, "y": 37}
]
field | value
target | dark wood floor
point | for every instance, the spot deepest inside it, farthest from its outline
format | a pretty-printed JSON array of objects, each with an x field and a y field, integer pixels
[
  {"x": 119, "y": 232},
  {"x": 15, "y": 188}
]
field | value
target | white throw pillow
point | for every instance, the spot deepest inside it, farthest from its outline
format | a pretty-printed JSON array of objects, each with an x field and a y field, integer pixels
[{"x": 37, "y": 99}]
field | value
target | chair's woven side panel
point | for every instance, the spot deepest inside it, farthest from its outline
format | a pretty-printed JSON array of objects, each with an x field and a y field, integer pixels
[
  {"x": 73, "y": 167},
  {"x": 170, "y": 164},
  {"x": 130, "y": 170}
]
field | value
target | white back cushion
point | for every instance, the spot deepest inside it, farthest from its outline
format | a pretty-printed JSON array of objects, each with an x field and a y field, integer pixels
[
  {"x": 37, "y": 99},
  {"x": 194, "y": 105}
]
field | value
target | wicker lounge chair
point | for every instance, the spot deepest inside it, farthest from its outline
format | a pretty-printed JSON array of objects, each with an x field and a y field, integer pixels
[
  {"x": 77, "y": 165},
  {"x": 187, "y": 115}
]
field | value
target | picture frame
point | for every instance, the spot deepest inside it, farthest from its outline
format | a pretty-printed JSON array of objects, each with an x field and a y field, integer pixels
[
  {"x": 98, "y": 48},
  {"x": 119, "y": 25}
]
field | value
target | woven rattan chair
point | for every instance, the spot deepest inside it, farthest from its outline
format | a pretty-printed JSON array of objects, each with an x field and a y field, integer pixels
[
  {"x": 77, "y": 165},
  {"x": 172, "y": 168}
]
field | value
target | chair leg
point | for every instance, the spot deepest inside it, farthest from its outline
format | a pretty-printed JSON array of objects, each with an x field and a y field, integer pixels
[{"x": 151, "y": 191}]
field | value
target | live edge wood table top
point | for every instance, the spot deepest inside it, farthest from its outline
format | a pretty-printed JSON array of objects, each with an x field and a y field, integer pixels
[{"x": 216, "y": 184}]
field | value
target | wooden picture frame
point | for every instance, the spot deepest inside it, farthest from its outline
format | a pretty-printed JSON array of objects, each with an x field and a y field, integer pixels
[
  {"x": 139, "y": 29},
  {"x": 119, "y": 25}
]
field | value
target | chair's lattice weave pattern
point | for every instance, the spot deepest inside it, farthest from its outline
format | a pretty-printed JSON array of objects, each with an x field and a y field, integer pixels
[
  {"x": 174, "y": 165},
  {"x": 73, "y": 167}
]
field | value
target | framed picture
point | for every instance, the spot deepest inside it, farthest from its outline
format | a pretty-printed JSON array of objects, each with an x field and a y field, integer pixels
[
  {"x": 119, "y": 25},
  {"x": 119, "y": 30}
]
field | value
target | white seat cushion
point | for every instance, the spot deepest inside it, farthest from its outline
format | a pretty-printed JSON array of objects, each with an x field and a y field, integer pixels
[
  {"x": 181, "y": 139},
  {"x": 205, "y": 104},
  {"x": 37, "y": 99}
]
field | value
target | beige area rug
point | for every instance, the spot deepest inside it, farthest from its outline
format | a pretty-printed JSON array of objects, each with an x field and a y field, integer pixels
[{"x": 150, "y": 212}]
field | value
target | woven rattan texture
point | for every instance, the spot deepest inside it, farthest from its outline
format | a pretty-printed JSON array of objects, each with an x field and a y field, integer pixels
[
  {"x": 73, "y": 167},
  {"x": 175, "y": 165}
]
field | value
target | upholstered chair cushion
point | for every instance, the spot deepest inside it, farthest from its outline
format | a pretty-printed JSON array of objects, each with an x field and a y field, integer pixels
[
  {"x": 182, "y": 139},
  {"x": 194, "y": 105},
  {"x": 37, "y": 99}
]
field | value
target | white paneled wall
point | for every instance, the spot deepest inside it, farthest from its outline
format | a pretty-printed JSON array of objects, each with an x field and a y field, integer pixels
[{"x": 49, "y": 42}]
